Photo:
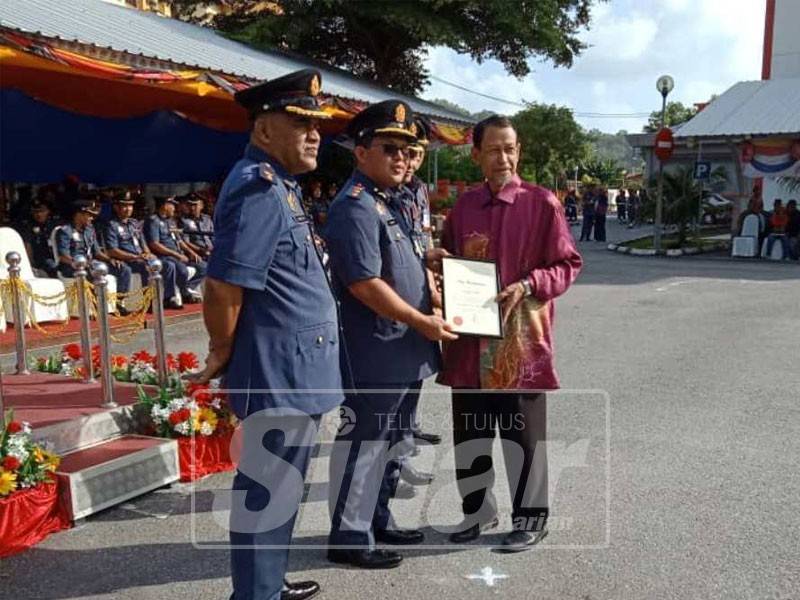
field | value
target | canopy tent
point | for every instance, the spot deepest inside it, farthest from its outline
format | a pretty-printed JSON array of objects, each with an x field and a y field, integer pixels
[{"x": 75, "y": 78}]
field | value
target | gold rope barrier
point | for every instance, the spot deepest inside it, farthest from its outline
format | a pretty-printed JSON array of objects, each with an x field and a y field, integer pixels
[{"x": 14, "y": 286}]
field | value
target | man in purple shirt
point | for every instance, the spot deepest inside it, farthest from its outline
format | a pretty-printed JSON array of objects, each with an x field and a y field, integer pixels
[{"x": 500, "y": 384}]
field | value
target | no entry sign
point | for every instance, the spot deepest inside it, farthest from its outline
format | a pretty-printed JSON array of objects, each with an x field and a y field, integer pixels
[{"x": 665, "y": 144}]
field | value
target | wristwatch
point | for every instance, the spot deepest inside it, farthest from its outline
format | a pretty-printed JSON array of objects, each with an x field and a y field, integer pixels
[{"x": 526, "y": 285}]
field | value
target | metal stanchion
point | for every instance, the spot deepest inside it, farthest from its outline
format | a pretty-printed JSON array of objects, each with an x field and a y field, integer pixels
[
  {"x": 99, "y": 274},
  {"x": 157, "y": 282},
  {"x": 79, "y": 263},
  {"x": 2, "y": 405},
  {"x": 13, "y": 259}
]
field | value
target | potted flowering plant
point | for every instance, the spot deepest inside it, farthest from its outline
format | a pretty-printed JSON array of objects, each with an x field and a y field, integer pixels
[
  {"x": 29, "y": 507},
  {"x": 199, "y": 417}
]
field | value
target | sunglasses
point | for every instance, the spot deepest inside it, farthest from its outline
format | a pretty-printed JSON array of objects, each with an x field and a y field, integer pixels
[{"x": 393, "y": 149}]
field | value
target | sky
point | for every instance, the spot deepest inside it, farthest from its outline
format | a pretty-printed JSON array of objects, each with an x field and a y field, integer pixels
[{"x": 705, "y": 45}]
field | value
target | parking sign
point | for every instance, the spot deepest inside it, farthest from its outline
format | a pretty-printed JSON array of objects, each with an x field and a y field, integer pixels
[{"x": 702, "y": 169}]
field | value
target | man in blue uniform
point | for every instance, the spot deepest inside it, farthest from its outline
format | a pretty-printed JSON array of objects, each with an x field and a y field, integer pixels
[
  {"x": 273, "y": 324},
  {"x": 79, "y": 237},
  {"x": 390, "y": 335},
  {"x": 36, "y": 235},
  {"x": 164, "y": 241},
  {"x": 125, "y": 243},
  {"x": 198, "y": 227}
]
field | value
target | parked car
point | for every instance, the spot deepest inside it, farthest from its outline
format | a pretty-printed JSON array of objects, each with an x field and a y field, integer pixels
[{"x": 717, "y": 209}]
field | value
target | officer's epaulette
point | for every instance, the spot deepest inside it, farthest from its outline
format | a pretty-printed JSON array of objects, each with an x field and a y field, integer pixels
[
  {"x": 355, "y": 190},
  {"x": 266, "y": 172}
]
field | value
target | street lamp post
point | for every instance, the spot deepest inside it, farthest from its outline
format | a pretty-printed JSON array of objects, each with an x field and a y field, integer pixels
[{"x": 664, "y": 85}]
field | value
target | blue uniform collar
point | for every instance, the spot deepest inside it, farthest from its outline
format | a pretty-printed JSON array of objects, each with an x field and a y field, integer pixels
[
  {"x": 369, "y": 185},
  {"x": 256, "y": 154}
]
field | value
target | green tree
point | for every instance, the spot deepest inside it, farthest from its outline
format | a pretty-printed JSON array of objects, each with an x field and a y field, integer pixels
[
  {"x": 385, "y": 40},
  {"x": 681, "y": 197},
  {"x": 604, "y": 170},
  {"x": 552, "y": 142},
  {"x": 452, "y": 106},
  {"x": 675, "y": 114},
  {"x": 454, "y": 163}
]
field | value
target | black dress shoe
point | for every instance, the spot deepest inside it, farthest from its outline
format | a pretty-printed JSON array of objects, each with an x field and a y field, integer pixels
[
  {"x": 171, "y": 304},
  {"x": 302, "y": 590},
  {"x": 472, "y": 533},
  {"x": 123, "y": 312},
  {"x": 431, "y": 438},
  {"x": 366, "y": 559},
  {"x": 403, "y": 491},
  {"x": 399, "y": 537},
  {"x": 519, "y": 541},
  {"x": 414, "y": 477}
]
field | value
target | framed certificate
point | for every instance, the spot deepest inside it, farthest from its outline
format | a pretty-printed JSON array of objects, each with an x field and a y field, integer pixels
[{"x": 469, "y": 290}]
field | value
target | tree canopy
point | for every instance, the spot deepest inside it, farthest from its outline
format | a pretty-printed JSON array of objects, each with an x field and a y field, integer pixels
[
  {"x": 386, "y": 41},
  {"x": 675, "y": 114}
]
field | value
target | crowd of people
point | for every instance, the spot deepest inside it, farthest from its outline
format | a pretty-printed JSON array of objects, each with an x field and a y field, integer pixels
[
  {"x": 100, "y": 225},
  {"x": 593, "y": 206},
  {"x": 781, "y": 225}
]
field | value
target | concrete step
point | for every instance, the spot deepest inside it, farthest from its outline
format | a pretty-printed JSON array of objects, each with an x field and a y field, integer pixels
[{"x": 115, "y": 471}]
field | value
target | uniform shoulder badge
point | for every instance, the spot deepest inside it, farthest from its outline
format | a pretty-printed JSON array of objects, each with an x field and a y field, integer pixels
[
  {"x": 355, "y": 190},
  {"x": 266, "y": 172}
]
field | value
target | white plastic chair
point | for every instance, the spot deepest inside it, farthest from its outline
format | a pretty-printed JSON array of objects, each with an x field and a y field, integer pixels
[
  {"x": 746, "y": 244},
  {"x": 67, "y": 281},
  {"x": 10, "y": 241}
]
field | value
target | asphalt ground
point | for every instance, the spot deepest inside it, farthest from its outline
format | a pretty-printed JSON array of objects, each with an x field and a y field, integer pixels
[{"x": 676, "y": 440}]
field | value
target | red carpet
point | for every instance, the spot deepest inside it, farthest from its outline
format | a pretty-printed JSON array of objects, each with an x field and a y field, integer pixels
[
  {"x": 59, "y": 334},
  {"x": 43, "y": 399}
]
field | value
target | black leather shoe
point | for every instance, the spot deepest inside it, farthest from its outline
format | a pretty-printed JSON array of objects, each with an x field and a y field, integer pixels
[
  {"x": 366, "y": 559},
  {"x": 519, "y": 541},
  {"x": 414, "y": 477},
  {"x": 431, "y": 438},
  {"x": 171, "y": 304},
  {"x": 190, "y": 298},
  {"x": 123, "y": 312},
  {"x": 472, "y": 533},
  {"x": 302, "y": 590},
  {"x": 399, "y": 537}
]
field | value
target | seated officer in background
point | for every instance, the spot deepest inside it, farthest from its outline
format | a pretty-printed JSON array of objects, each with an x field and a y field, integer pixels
[
  {"x": 197, "y": 226},
  {"x": 125, "y": 242},
  {"x": 390, "y": 334},
  {"x": 272, "y": 325},
  {"x": 79, "y": 237},
  {"x": 164, "y": 241},
  {"x": 36, "y": 235}
]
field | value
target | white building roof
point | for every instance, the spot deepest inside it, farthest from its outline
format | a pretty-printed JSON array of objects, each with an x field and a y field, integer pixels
[{"x": 754, "y": 108}]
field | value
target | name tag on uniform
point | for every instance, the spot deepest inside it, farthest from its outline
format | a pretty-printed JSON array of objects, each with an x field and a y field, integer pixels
[
  {"x": 301, "y": 219},
  {"x": 76, "y": 236},
  {"x": 391, "y": 222}
]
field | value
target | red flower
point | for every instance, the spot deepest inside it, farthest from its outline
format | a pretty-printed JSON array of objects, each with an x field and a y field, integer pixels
[
  {"x": 118, "y": 361},
  {"x": 187, "y": 361},
  {"x": 14, "y": 427},
  {"x": 199, "y": 393},
  {"x": 73, "y": 351},
  {"x": 172, "y": 363},
  {"x": 179, "y": 416},
  {"x": 11, "y": 463},
  {"x": 143, "y": 356},
  {"x": 96, "y": 357}
]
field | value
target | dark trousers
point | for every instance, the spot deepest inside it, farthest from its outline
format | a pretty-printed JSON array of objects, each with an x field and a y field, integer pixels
[
  {"x": 586, "y": 229},
  {"x": 407, "y": 416},
  {"x": 122, "y": 274},
  {"x": 521, "y": 419},
  {"x": 367, "y": 461},
  {"x": 600, "y": 228},
  {"x": 167, "y": 275},
  {"x": 258, "y": 571},
  {"x": 182, "y": 273}
]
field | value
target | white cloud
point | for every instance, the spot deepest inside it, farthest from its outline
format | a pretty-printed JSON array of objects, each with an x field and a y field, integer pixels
[{"x": 706, "y": 45}]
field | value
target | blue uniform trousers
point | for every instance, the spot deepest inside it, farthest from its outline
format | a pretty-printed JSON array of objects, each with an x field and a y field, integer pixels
[
  {"x": 258, "y": 571},
  {"x": 167, "y": 275},
  {"x": 182, "y": 273},
  {"x": 407, "y": 415},
  {"x": 366, "y": 460},
  {"x": 121, "y": 273}
]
